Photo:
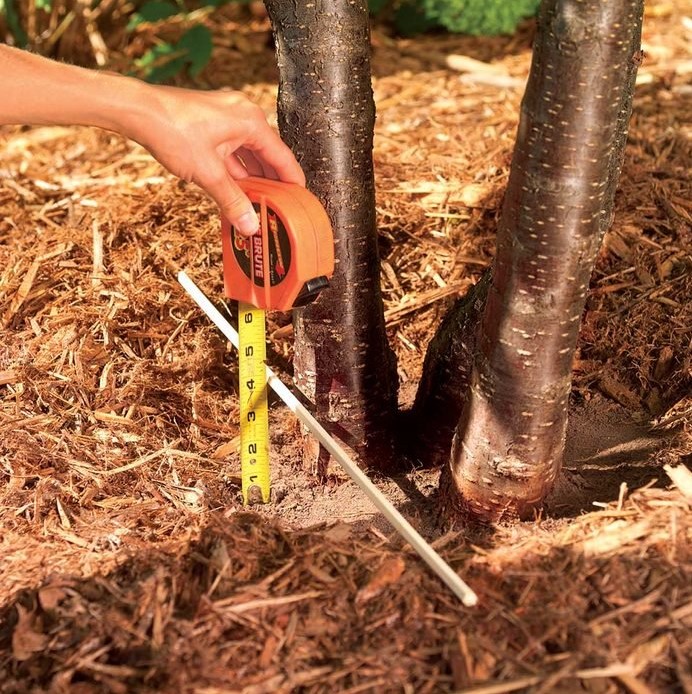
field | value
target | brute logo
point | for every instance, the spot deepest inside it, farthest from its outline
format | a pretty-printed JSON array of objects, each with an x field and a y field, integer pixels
[{"x": 257, "y": 257}]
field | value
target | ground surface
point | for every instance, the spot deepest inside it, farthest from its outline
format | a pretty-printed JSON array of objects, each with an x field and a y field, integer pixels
[{"x": 127, "y": 562}]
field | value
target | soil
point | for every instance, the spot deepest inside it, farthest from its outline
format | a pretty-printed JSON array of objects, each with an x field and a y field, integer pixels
[{"x": 128, "y": 561}]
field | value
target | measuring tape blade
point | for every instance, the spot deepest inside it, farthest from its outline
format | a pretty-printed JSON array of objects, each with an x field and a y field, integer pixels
[
  {"x": 403, "y": 527},
  {"x": 254, "y": 414}
]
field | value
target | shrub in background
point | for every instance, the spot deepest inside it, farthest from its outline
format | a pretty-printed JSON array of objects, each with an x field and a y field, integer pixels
[
  {"x": 477, "y": 17},
  {"x": 85, "y": 31}
]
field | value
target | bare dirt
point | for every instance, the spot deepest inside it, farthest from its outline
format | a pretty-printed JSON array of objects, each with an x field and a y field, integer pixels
[{"x": 127, "y": 563}]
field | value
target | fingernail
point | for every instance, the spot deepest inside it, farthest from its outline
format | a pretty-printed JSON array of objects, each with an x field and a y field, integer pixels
[{"x": 248, "y": 223}]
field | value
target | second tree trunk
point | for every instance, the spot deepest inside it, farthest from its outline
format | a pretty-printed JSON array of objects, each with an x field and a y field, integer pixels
[
  {"x": 509, "y": 443},
  {"x": 326, "y": 115}
]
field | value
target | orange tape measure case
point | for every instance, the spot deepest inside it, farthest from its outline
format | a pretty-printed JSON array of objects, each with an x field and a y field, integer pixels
[{"x": 290, "y": 260}]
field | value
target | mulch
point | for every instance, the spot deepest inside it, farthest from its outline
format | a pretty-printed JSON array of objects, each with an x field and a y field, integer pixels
[{"x": 128, "y": 562}]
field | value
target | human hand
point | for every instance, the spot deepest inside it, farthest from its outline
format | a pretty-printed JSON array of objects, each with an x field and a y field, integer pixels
[{"x": 213, "y": 139}]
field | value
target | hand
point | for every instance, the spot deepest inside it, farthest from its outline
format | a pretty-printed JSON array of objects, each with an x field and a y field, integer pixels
[{"x": 213, "y": 139}]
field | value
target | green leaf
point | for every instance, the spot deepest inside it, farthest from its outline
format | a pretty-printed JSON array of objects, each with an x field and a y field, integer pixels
[
  {"x": 199, "y": 45},
  {"x": 153, "y": 11},
  {"x": 410, "y": 20},
  {"x": 161, "y": 62},
  {"x": 166, "y": 71},
  {"x": 166, "y": 60},
  {"x": 45, "y": 5},
  {"x": 376, "y": 6},
  {"x": 13, "y": 23}
]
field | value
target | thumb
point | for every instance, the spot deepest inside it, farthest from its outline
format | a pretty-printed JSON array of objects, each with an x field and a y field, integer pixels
[{"x": 232, "y": 202}]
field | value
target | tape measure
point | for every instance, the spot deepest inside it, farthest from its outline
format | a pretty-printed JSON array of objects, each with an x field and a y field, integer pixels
[
  {"x": 285, "y": 265},
  {"x": 254, "y": 414}
]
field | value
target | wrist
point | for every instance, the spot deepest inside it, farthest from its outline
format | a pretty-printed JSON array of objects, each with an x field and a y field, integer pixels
[{"x": 130, "y": 106}]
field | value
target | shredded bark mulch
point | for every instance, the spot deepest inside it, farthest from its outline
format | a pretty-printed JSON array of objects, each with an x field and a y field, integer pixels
[{"x": 127, "y": 562}]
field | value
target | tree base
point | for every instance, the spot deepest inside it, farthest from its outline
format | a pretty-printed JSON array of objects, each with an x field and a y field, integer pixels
[
  {"x": 605, "y": 447},
  {"x": 471, "y": 504},
  {"x": 431, "y": 423}
]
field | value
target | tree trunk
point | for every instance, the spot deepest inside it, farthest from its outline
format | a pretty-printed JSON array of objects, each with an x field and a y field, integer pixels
[
  {"x": 445, "y": 379},
  {"x": 342, "y": 361},
  {"x": 509, "y": 441}
]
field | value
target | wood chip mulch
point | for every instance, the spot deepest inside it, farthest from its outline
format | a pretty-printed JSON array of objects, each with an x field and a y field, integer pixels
[{"x": 127, "y": 563}]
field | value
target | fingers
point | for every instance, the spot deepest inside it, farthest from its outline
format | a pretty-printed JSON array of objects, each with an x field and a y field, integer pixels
[
  {"x": 237, "y": 169},
  {"x": 243, "y": 163},
  {"x": 274, "y": 154},
  {"x": 252, "y": 165},
  {"x": 232, "y": 202},
  {"x": 259, "y": 143},
  {"x": 270, "y": 172}
]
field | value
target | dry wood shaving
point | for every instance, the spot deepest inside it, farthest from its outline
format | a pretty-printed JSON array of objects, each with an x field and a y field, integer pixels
[{"x": 128, "y": 563}]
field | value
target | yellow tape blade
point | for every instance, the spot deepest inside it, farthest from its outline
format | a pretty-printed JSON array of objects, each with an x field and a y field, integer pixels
[{"x": 254, "y": 415}]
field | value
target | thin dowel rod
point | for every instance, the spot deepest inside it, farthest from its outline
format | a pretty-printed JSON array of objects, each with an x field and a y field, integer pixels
[{"x": 400, "y": 524}]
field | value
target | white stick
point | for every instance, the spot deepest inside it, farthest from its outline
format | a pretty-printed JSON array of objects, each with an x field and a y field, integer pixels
[{"x": 401, "y": 525}]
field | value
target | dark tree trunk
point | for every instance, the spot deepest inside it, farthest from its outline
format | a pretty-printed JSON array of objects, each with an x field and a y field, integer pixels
[
  {"x": 343, "y": 361},
  {"x": 509, "y": 442},
  {"x": 446, "y": 377}
]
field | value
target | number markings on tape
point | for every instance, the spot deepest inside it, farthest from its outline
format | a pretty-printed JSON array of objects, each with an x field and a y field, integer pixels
[{"x": 254, "y": 416}]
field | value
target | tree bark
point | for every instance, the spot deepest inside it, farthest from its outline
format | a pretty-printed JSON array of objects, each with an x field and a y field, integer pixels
[
  {"x": 326, "y": 110},
  {"x": 445, "y": 379},
  {"x": 509, "y": 441}
]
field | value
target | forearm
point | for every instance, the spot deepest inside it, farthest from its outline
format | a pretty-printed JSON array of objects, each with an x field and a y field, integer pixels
[
  {"x": 38, "y": 91},
  {"x": 211, "y": 138}
]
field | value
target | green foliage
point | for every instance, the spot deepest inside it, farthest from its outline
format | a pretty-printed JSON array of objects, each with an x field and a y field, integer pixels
[
  {"x": 410, "y": 19},
  {"x": 478, "y": 17},
  {"x": 376, "y": 6},
  {"x": 167, "y": 60},
  {"x": 153, "y": 11},
  {"x": 199, "y": 46},
  {"x": 406, "y": 16},
  {"x": 158, "y": 22},
  {"x": 8, "y": 9}
]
